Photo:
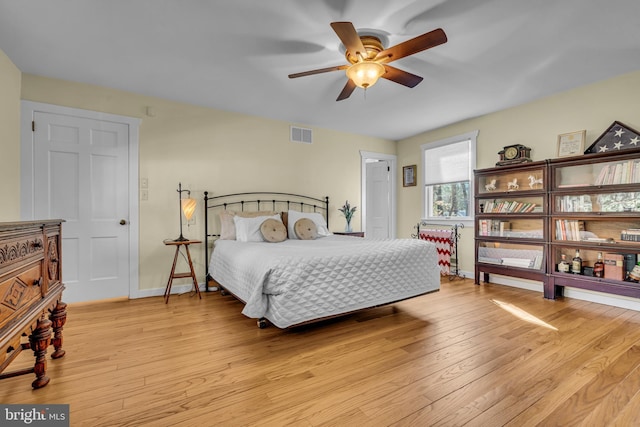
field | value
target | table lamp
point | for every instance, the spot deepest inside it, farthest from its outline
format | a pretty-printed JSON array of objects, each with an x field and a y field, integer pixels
[{"x": 186, "y": 207}]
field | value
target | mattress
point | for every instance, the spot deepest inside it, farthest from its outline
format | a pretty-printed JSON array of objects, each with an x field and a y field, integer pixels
[{"x": 297, "y": 281}]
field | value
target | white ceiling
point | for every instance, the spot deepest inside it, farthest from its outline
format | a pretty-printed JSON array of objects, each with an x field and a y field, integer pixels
[{"x": 236, "y": 54}]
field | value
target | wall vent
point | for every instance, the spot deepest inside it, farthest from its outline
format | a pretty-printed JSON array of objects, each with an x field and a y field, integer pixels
[{"x": 302, "y": 135}]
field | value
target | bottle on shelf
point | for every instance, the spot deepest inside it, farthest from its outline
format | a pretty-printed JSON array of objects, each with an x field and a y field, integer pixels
[
  {"x": 563, "y": 266},
  {"x": 576, "y": 264},
  {"x": 598, "y": 266}
]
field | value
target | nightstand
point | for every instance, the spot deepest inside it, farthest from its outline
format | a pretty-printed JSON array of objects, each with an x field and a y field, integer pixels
[
  {"x": 173, "y": 275},
  {"x": 351, "y": 233}
]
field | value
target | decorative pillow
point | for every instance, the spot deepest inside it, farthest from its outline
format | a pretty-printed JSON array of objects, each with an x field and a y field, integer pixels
[
  {"x": 305, "y": 229},
  {"x": 248, "y": 229},
  {"x": 273, "y": 230},
  {"x": 317, "y": 218},
  {"x": 227, "y": 225}
]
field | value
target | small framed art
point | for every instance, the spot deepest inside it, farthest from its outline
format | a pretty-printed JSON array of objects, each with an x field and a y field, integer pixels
[
  {"x": 409, "y": 176},
  {"x": 571, "y": 144}
]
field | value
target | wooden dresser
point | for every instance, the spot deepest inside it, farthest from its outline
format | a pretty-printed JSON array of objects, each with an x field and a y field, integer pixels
[{"x": 32, "y": 313}]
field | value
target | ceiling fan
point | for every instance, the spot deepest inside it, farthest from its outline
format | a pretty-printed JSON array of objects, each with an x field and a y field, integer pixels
[{"x": 368, "y": 59}]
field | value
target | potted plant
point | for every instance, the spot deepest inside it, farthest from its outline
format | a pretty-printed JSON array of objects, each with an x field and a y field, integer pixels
[{"x": 348, "y": 211}]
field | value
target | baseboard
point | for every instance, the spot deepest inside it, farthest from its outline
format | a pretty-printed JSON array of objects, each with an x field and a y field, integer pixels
[{"x": 175, "y": 289}]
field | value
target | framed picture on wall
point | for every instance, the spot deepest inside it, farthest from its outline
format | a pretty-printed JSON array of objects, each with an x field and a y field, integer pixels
[
  {"x": 409, "y": 176},
  {"x": 571, "y": 144}
]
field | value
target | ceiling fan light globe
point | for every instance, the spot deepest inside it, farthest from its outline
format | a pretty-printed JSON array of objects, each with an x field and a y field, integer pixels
[{"x": 365, "y": 74}]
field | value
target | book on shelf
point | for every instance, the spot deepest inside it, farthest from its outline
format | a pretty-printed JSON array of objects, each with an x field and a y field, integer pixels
[
  {"x": 627, "y": 237},
  {"x": 510, "y": 206},
  {"x": 504, "y": 228},
  {"x": 517, "y": 262},
  {"x": 584, "y": 184},
  {"x": 537, "y": 262},
  {"x": 630, "y": 235},
  {"x": 489, "y": 260},
  {"x": 614, "y": 266},
  {"x": 619, "y": 173},
  {"x": 493, "y": 227},
  {"x": 569, "y": 229},
  {"x": 575, "y": 203},
  {"x": 484, "y": 227}
]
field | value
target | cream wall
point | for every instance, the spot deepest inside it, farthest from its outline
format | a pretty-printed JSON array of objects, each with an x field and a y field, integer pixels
[
  {"x": 221, "y": 152},
  {"x": 10, "y": 77},
  {"x": 216, "y": 151},
  {"x": 537, "y": 125}
]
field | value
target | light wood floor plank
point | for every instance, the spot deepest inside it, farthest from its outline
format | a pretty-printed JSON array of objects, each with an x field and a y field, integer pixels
[{"x": 454, "y": 357}]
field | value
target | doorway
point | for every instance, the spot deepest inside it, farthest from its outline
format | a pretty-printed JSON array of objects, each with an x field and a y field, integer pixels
[
  {"x": 378, "y": 194},
  {"x": 82, "y": 166}
]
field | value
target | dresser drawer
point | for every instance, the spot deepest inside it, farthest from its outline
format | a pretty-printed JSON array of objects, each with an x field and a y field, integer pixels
[
  {"x": 19, "y": 292},
  {"x": 20, "y": 248}
]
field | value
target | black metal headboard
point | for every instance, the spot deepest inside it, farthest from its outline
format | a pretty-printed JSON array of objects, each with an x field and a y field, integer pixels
[{"x": 255, "y": 201}]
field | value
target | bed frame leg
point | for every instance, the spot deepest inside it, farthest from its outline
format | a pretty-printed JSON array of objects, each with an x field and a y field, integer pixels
[{"x": 262, "y": 323}]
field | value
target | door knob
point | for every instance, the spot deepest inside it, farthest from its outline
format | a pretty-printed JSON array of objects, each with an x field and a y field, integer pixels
[{"x": 123, "y": 222}]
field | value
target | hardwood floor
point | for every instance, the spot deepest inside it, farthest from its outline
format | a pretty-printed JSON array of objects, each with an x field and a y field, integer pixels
[{"x": 455, "y": 357}]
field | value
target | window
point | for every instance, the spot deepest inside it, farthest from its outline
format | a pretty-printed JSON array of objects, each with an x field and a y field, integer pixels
[{"x": 448, "y": 178}]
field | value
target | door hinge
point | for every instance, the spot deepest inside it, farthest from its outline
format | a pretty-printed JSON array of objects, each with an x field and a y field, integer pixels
[
  {"x": 388, "y": 168},
  {"x": 33, "y": 125}
]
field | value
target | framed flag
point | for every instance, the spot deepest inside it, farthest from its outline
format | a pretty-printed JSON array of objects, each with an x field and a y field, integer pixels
[{"x": 617, "y": 137}]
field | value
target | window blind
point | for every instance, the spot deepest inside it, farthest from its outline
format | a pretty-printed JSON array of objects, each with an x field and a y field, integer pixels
[{"x": 448, "y": 163}]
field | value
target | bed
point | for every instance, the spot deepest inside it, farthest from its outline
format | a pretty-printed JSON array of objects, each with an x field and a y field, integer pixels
[{"x": 306, "y": 273}]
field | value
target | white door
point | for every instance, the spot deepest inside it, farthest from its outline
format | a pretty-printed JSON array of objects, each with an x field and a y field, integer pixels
[
  {"x": 81, "y": 175},
  {"x": 378, "y": 209}
]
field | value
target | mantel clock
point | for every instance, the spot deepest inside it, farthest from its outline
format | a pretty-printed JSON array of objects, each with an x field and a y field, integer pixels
[{"x": 513, "y": 154}]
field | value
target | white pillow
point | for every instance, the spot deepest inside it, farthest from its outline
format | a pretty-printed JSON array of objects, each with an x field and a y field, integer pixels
[
  {"x": 248, "y": 229},
  {"x": 317, "y": 218},
  {"x": 228, "y": 227}
]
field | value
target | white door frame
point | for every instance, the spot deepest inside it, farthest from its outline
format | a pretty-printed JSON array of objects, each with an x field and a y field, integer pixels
[
  {"x": 364, "y": 156},
  {"x": 27, "y": 191}
]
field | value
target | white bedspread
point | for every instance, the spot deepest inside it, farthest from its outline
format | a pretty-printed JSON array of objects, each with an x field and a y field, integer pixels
[{"x": 299, "y": 280}]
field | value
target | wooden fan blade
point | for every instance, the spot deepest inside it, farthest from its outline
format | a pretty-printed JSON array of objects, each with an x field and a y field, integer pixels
[
  {"x": 415, "y": 45},
  {"x": 318, "y": 71},
  {"x": 347, "y": 90},
  {"x": 349, "y": 37},
  {"x": 399, "y": 76}
]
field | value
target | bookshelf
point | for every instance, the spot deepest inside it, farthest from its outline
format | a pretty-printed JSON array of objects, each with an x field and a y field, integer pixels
[
  {"x": 594, "y": 204},
  {"x": 511, "y": 230}
]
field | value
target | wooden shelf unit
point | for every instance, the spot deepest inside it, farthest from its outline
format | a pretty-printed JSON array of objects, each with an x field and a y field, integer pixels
[
  {"x": 589, "y": 203},
  {"x": 511, "y": 230},
  {"x": 593, "y": 199}
]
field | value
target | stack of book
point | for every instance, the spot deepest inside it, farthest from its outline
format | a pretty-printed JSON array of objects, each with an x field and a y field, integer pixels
[
  {"x": 509, "y": 206},
  {"x": 619, "y": 173},
  {"x": 630, "y": 235},
  {"x": 569, "y": 229},
  {"x": 518, "y": 262}
]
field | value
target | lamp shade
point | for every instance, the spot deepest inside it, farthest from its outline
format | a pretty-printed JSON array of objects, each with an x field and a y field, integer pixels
[
  {"x": 365, "y": 74},
  {"x": 188, "y": 207}
]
